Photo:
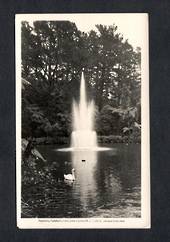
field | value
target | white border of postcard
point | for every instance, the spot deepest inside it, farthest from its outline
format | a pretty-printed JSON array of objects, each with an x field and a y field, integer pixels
[{"x": 107, "y": 223}]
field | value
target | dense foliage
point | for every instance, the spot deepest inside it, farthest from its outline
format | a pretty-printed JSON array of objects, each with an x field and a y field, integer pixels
[{"x": 53, "y": 55}]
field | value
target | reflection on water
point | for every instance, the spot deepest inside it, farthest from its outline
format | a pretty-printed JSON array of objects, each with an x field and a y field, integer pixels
[
  {"x": 107, "y": 184},
  {"x": 85, "y": 165}
]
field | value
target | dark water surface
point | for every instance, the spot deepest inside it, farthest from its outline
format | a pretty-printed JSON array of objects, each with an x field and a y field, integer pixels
[{"x": 107, "y": 184}]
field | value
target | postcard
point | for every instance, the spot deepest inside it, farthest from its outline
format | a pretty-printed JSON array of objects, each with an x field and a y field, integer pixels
[{"x": 82, "y": 121}]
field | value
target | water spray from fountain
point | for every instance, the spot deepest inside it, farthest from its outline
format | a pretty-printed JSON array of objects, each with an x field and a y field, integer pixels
[{"x": 83, "y": 135}]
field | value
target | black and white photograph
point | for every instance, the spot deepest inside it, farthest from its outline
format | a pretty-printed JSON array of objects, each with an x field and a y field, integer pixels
[{"x": 82, "y": 121}]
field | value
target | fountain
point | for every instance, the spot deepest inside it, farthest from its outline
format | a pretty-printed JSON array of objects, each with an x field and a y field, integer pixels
[{"x": 83, "y": 135}]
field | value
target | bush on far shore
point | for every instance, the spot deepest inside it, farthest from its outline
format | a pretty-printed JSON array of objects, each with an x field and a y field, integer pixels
[
  {"x": 109, "y": 139},
  {"x": 118, "y": 139},
  {"x": 61, "y": 140}
]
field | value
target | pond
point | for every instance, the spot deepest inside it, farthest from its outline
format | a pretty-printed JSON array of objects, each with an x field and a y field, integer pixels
[{"x": 107, "y": 184}]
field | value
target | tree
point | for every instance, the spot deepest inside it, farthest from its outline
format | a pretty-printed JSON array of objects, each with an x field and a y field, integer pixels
[
  {"x": 113, "y": 67},
  {"x": 51, "y": 63}
]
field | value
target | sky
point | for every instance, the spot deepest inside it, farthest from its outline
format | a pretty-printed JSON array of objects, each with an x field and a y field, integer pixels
[{"x": 132, "y": 26}]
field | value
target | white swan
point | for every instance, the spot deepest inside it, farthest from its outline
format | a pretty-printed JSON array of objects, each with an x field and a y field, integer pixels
[{"x": 70, "y": 177}]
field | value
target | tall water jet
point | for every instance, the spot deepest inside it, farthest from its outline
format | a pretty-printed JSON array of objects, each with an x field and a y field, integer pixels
[{"x": 83, "y": 135}]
